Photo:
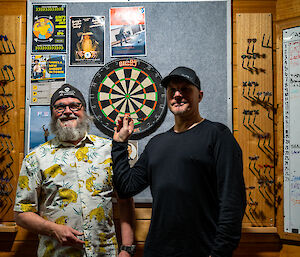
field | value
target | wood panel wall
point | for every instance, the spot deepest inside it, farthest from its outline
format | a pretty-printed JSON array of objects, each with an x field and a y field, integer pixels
[
  {"x": 258, "y": 242},
  {"x": 255, "y": 115},
  {"x": 254, "y": 242}
]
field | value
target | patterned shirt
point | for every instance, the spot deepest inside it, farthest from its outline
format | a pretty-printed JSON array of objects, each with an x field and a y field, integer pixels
[{"x": 71, "y": 185}]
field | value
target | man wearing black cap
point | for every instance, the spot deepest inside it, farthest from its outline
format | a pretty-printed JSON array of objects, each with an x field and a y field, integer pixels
[
  {"x": 195, "y": 174},
  {"x": 65, "y": 187}
]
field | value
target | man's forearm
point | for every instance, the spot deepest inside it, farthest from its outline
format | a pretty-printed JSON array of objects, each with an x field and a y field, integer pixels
[
  {"x": 34, "y": 223},
  {"x": 65, "y": 235},
  {"x": 128, "y": 181},
  {"x": 127, "y": 220}
]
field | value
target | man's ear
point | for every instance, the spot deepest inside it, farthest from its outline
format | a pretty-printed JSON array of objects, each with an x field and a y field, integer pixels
[{"x": 200, "y": 96}]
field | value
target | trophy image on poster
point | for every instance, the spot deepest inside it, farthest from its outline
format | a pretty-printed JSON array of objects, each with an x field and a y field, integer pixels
[{"x": 87, "y": 41}]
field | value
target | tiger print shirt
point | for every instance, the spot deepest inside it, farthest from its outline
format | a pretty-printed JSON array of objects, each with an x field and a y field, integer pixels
[{"x": 71, "y": 185}]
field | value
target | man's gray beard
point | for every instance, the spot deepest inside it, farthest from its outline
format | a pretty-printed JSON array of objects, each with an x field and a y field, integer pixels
[{"x": 69, "y": 134}]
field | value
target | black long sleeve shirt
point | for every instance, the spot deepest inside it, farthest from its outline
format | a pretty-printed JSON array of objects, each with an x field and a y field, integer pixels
[{"x": 197, "y": 185}]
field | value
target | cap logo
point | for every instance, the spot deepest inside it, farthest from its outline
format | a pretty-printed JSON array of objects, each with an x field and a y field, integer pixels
[
  {"x": 66, "y": 92},
  {"x": 186, "y": 76}
]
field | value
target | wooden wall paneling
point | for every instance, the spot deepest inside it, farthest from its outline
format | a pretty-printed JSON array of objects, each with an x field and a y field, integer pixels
[
  {"x": 253, "y": 6},
  {"x": 13, "y": 8},
  {"x": 18, "y": 248},
  {"x": 22, "y": 87},
  {"x": 279, "y": 141},
  {"x": 143, "y": 216},
  {"x": 142, "y": 227},
  {"x": 245, "y": 6},
  {"x": 11, "y": 26},
  {"x": 255, "y": 115},
  {"x": 290, "y": 249},
  {"x": 261, "y": 244},
  {"x": 287, "y": 9}
]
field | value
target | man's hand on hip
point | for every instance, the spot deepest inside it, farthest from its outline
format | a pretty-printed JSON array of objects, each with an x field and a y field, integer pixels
[{"x": 124, "y": 129}]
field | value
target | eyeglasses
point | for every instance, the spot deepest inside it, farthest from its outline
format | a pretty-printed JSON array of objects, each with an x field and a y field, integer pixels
[{"x": 74, "y": 107}]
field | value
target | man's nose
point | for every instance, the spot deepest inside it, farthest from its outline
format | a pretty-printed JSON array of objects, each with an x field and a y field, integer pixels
[
  {"x": 67, "y": 110},
  {"x": 177, "y": 93}
]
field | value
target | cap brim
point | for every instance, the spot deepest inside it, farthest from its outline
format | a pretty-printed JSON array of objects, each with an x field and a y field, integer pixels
[{"x": 165, "y": 81}]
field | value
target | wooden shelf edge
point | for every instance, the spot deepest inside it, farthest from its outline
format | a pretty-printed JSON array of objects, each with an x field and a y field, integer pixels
[
  {"x": 261, "y": 230},
  {"x": 8, "y": 228}
]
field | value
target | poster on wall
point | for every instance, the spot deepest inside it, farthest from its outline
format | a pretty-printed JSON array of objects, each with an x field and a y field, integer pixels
[
  {"x": 40, "y": 117},
  {"x": 48, "y": 68},
  {"x": 49, "y": 28},
  {"x": 127, "y": 31},
  {"x": 41, "y": 93},
  {"x": 87, "y": 40}
]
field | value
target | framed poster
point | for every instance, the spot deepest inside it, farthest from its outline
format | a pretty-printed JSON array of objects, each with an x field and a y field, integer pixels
[
  {"x": 40, "y": 117},
  {"x": 127, "y": 31},
  {"x": 49, "y": 28},
  {"x": 48, "y": 68},
  {"x": 87, "y": 40},
  {"x": 41, "y": 93}
]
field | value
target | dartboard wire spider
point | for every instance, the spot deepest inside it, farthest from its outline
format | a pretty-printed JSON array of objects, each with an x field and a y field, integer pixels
[{"x": 138, "y": 119}]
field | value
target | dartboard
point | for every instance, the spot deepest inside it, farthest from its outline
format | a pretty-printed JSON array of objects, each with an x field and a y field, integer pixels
[{"x": 127, "y": 86}]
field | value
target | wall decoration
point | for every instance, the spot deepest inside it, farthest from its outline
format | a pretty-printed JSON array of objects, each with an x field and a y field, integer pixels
[
  {"x": 132, "y": 149},
  {"x": 87, "y": 40},
  {"x": 40, "y": 117},
  {"x": 49, "y": 28},
  {"x": 127, "y": 31},
  {"x": 128, "y": 85},
  {"x": 47, "y": 68},
  {"x": 41, "y": 93},
  {"x": 255, "y": 116}
]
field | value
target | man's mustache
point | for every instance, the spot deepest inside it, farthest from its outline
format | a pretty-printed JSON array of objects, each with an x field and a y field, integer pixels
[{"x": 67, "y": 117}]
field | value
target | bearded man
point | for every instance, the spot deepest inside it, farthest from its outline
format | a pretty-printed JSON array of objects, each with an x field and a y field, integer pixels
[{"x": 65, "y": 187}]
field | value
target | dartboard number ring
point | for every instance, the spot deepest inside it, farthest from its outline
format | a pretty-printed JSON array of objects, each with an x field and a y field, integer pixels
[{"x": 128, "y": 86}]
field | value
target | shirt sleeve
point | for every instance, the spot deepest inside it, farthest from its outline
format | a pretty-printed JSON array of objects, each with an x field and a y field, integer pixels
[
  {"x": 28, "y": 187},
  {"x": 128, "y": 181},
  {"x": 231, "y": 194}
]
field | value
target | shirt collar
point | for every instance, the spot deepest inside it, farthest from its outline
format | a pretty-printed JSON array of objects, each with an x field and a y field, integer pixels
[{"x": 56, "y": 143}]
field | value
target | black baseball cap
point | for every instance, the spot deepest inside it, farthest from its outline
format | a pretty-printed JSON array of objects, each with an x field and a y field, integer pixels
[
  {"x": 65, "y": 91},
  {"x": 183, "y": 73}
]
